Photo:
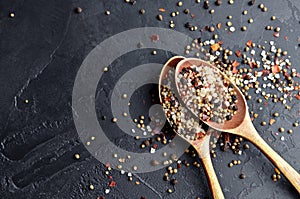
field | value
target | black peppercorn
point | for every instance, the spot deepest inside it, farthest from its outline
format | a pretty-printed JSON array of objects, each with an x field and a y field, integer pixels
[
  {"x": 242, "y": 176},
  {"x": 174, "y": 181},
  {"x": 228, "y": 117},
  {"x": 206, "y": 5}
]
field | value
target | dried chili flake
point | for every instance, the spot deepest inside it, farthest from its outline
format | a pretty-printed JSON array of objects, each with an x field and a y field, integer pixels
[
  {"x": 162, "y": 10},
  {"x": 272, "y": 121},
  {"x": 297, "y": 97},
  {"x": 193, "y": 16},
  {"x": 275, "y": 69},
  {"x": 199, "y": 135},
  {"x": 107, "y": 165},
  {"x": 112, "y": 184},
  {"x": 235, "y": 63},
  {"x": 246, "y": 77},
  {"x": 265, "y": 72},
  {"x": 253, "y": 65},
  {"x": 238, "y": 53},
  {"x": 219, "y": 25},
  {"x": 286, "y": 75},
  {"x": 178, "y": 165},
  {"x": 234, "y": 70},
  {"x": 215, "y": 46},
  {"x": 227, "y": 142},
  {"x": 276, "y": 34},
  {"x": 249, "y": 43},
  {"x": 154, "y": 38}
]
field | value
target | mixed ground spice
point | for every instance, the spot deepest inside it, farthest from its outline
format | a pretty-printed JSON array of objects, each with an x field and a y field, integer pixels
[
  {"x": 180, "y": 118},
  {"x": 207, "y": 93},
  {"x": 262, "y": 68}
]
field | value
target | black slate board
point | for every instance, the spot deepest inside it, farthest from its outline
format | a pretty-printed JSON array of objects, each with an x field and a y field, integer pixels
[{"x": 41, "y": 50}]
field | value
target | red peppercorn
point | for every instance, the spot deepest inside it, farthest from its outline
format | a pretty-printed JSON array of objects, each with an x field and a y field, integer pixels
[{"x": 112, "y": 184}]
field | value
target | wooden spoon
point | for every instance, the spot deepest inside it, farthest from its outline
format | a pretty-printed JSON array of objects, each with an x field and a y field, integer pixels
[
  {"x": 241, "y": 125},
  {"x": 201, "y": 144}
]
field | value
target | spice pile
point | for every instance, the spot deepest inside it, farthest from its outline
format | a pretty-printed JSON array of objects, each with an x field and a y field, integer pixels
[
  {"x": 180, "y": 118},
  {"x": 207, "y": 93}
]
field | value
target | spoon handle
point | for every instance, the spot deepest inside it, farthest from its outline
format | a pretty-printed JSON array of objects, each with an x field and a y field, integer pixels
[
  {"x": 250, "y": 133},
  {"x": 213, "y": 182},
  {"x": 202, "y": 149}
]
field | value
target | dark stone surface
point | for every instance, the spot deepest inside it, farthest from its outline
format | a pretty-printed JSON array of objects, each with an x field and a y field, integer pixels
[{"x": 42, "y": 48}]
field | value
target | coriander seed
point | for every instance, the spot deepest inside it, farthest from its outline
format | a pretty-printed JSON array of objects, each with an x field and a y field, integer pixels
[
  {"x": 261, "y": 6},
  {"x": 231, "y": 2},
  {"x": 142, "y": 11},
  {"x": 91, "y": 187},
  {"x": 186, "y": 11},
  {"x": 265, "y": 9},
  {"x": 179, "y": 3},
  {"x": 246, "y": 146},
  {"x": 277, "y": 29},
  {"x": 114, "y": 120},
  {"x": 77, "y": 156},
  {"x": 78, "y": 10},
  {"x": 159, "y": 17},
  {"x": 229, "y": 23}
]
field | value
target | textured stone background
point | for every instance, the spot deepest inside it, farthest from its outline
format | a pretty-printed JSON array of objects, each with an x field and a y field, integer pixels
[{"x": 41, "y": 50}]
